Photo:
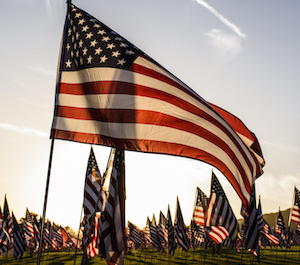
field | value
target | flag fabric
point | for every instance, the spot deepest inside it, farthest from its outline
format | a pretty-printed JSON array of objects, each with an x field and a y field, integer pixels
[
  {"x": 243, "y": 132},
  {"x": 180, "y": 229},
  {"x": 112, "y": 220},
  {"x": 93, "y": 246},
  {"x": 19, "y": 239},
  {"x": 111, "y": 93},
  {"x": 197, "y": 234},
  {"x": 162, "y": 231},
  {"x": 281, "y": 231},
  {"x": 296, "y": 236},
  {"x": 136, "y": 235},
  {"x": 171, "y": 234},
  {"x": 92, "y": 189},
  {"x": 217, "y": 233},
  {"x": 219, "y": 214},
  {"x": 201, "y": 202},
  {"x": 260, "y": 221},
  {"x": 268, "y": 232},
  {"x": 296, "y": 210},
  {"x": 31, "y": 231},
  {"x": 152, "y": 235},
  {"x": 252, "y": 232},
  {"x": 8, "y": 222}
]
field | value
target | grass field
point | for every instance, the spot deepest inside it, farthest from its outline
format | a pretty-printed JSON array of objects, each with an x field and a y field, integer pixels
[{"x": 148, "y": 256}]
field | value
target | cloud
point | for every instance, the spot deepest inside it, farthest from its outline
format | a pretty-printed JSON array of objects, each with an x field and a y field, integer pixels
[
  {"x": 27, "y": 131},
  {"x": 225, "y": 43},
  {"x": 224, "y": 20}
]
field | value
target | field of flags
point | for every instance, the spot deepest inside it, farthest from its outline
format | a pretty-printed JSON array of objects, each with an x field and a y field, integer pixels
[
  {"x": 213, "y": 224},
  {"x": 111, "y": 93}
]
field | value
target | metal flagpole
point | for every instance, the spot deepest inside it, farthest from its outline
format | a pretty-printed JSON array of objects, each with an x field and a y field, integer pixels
[{"x": 45, "y": 201}]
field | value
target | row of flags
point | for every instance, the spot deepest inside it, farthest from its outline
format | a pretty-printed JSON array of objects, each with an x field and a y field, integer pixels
[{"x": 25, "y": 236}]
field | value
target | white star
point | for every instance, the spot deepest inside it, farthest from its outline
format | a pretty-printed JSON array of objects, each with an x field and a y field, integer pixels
[
  {"x": 98, "y": 51},
  {"x": 121, "y": 62},
  {"x": 80, "y": 43},
  {"x": 73, "y": 8},
  {"x": 68, "y": 47},
  {"x": 77, "y": 15},
  {"x": 110, "y": 46},
  {"x": 81, "y": 61},
  {"x": 103, "y": 59},
  {"x": 130, "y": 52},
  {"x": 93, "y": 43},
  {"x": 81, "y": 21},
  {"x": 77, "y": 35},
  {"x": 89, "y": 59},
  {"x": 115, "y": 54},
  {"x": 85, "y": 28},
  {"x": 97, "y": 26},
  {"x": 68, "y": 63},
  {"x": 101, "y": 32},
  {"x": 106, "y": 39},
  {"x": 85, "y": 51},
  {"x": 123, "y": 45},
  {"x": 77, "y": 53},
  {"x": 69, "y": 31},
  {"x": 89, "y": 35}
]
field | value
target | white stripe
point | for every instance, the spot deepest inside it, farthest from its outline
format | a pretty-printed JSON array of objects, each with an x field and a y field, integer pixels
[{"x": 109, "y": 74}]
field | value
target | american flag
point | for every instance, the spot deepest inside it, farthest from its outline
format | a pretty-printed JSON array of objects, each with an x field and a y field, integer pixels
[
  {"x": 260, "y": 221},
  {"x": 162, "y": 229},
  {"x": 280, "y": 226},
  {"x": 252, "y": 232},
  {"x": 153, "y": 236},
  {"x": 136, "y": 235},
  {"x": 180, "y": 229},
  {"x": 296, "y": 236},
  {"x": 171, "y": 234},
  {"x": 201, "y": 202},
  {"x": 296, "y": 210},
  {"x": 217, "y": 233},
  {"x": 19, "y": 239},
  {"x": 268, "y": 232},
  {"x": 30, "y": 230},
  {"x": 219, "y": 212},
  {"x": 8, "y": 222},
  {"x": 112, "y": 220},
  {"x": 93, "y": 246},
  {"x": 93, "y": 188},
  {"x": 111, "y": 93}
]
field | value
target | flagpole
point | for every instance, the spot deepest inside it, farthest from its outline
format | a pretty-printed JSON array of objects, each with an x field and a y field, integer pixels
[{"x": 45, "y": 200}]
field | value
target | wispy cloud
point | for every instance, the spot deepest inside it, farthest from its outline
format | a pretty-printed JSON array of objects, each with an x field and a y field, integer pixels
[
  {"x": 28, "y": 131},
  {"x": 224, "y": 20},
  {"x": 225, "y": 43}
]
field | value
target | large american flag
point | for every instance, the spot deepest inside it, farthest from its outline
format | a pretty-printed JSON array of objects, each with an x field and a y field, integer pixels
[
  {"x": 111, "y": 93},
  {"x": 219, "y": 212},
  {"x": 296, "y": 207}
]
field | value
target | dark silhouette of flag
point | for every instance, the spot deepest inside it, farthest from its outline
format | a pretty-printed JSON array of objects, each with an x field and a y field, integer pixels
[
  {"x": 219, "y": 215},
  {"x": 31, "y": 231},
  {"x": 280, "y": 230},
  {"x": 252, "y": 232},
  {"x": 93, "y": 188},
  {"x": 19, "y": 239},
  {"x": 111, "y": 93},
  {"x": 180, "y": 229},
  {"x": 112, "y": 220},
  {"x": 296, "y": 234},
  {"x": 296, "y": 210},
  {"x": 260, "y": 221},
  {"x": 8, "y": 222},
  {"x": 136, "y": 235},
  {"x": 171, "y": 234}
]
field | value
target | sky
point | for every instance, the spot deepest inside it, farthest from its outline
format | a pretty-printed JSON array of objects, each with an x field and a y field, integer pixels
[{"x": 242, "y": 56}]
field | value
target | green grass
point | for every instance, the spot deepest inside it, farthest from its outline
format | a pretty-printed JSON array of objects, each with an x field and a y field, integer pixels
[{"x": 150, "y": 256}]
